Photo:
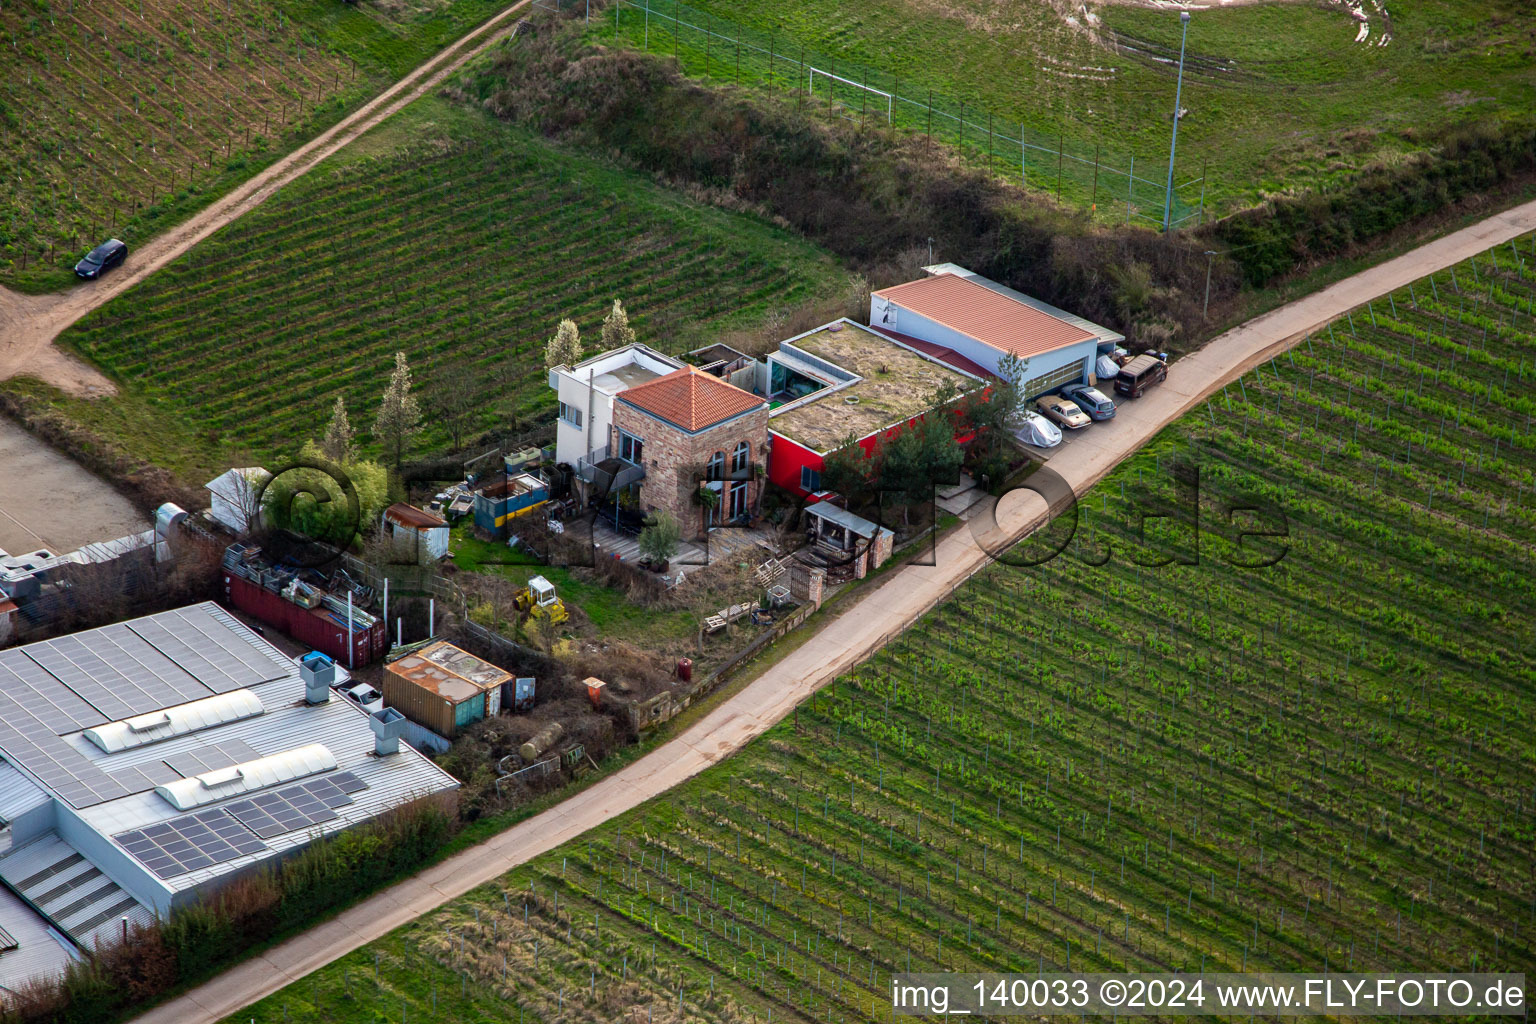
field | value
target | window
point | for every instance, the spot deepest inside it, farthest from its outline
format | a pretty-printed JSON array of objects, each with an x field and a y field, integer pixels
[
  {"x": 631, "y": 448},
  {"x": 739, "y": 457},
  {"x": 570, "y": 415},
  {"x": 810, "y": 479},
  {"x": 716, "y": 468}
]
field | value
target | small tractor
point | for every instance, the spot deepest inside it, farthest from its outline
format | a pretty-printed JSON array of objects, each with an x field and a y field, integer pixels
[{"x": 539, "y": 600}]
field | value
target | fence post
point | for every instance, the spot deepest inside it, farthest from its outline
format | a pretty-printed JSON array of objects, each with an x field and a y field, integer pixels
[
  {"x": 1203, "y": 164},
  {"x": 1023, "y": 165},
  {"x": 930, "y": 119},
  {"x": 647, "y": 26}
]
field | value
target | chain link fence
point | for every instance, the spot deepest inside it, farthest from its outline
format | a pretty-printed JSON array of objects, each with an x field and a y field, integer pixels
[{"x": 1116, "y": 185}]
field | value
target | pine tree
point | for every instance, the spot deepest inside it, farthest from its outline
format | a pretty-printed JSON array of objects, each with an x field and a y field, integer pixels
[
  {"x": 616, "y": 330},
  {"x": 565, "y": 347},
  {"x": 337, "y": 443},
  {"x": 399, "y": 416}
]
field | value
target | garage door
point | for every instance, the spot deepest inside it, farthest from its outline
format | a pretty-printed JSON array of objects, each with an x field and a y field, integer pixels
[{"x": 1068, "y": 374}]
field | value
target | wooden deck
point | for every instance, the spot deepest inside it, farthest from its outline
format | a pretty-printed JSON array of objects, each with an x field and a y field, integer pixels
[{"x": 724, "y": 544}]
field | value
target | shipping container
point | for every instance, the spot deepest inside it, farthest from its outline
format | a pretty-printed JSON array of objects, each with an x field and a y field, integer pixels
[
  {"x": 318, "y": 628},
  {"x": 444, "y": 688}
]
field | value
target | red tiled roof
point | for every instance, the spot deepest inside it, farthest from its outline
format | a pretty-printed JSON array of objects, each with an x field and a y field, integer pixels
[
  {"x": 410, "y": 515},
  {"x": 691, "y": 399},
  {"x": 991, "y": 318},
  {"x": 939, "y": 352}
]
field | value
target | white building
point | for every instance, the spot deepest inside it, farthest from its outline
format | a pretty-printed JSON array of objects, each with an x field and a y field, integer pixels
[
  {"x": 587, "y": 391},
  {"x": 953, "y": 312},
  {"x": 235, "y": 497},
  {"x": 146, "y": 762}
]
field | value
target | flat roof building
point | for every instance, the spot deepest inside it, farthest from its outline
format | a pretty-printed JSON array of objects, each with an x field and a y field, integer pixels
[{"x": 144, "y": 763}]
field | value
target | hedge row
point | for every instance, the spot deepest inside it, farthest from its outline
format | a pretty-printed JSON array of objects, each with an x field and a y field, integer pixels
[{"x": 1293, "y": 232}]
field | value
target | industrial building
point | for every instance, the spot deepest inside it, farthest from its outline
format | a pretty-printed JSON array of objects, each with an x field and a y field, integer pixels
[
  {"x": 969, "y": 321},
  {"x": 147, "y": 762}
]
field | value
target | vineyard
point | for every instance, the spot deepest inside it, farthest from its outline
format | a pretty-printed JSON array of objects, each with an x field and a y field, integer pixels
[
  {"x": 1098, "y": 764},
  {"x": 450, "y": 237},
  {"x": 1081, "y": 106},
  {"x": 114, "y": 114}
]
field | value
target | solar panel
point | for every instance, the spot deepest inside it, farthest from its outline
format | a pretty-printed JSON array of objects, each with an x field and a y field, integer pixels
[
  {"x": 144, "y": 777},
  {"x": 25, "y": 681},
  {"x": 97, "y": 677},
  {"x": 63, "y": 769},
  {"x": 188, "y": 843},
  {"x": 142, "y": 666},
  {"x": 311, "y": 802},
  {"x": 209, "y": 649},
  {"x": 210, "y": 757}
]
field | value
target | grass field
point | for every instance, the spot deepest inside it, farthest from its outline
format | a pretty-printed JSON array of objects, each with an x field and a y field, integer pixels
[
  {"x": 111, "y": 110},
  {"x": 1277, "y": 96},
  {"x": 1325, "y": 764},
  {"x": 446, "y": 235}
]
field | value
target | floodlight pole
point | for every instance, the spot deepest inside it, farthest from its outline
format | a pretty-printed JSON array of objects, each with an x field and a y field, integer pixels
[{"x": 1173, "y": 148}]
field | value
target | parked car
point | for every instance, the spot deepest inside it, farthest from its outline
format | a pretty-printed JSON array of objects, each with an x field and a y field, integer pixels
[
  {"x": 365, "y": 697},
  {"x": 1139, "y": 374},
  {"x": 1038, "y": 431},
  {"x": 1062, "y": 412},
  {"x": 1091, "y": 400},
  {"x": 102, "y": 259}
]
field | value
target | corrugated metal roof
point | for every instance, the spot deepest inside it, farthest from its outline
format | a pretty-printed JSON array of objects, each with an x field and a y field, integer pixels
[
  {"x": 18, "y": 794},
  {"x": 288, "y": 723},
  {"x": 856, "y": 525},
  {"x": 691, "y": 399},
  {"x": 40, "y": 951},
  {"x": 410, "y": 515},
  {"x": 990, "y": 317},
  {"x": 449, "y": 671}
]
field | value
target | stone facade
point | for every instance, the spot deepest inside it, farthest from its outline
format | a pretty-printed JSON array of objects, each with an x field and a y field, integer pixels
[{"x": 675, "y": 462}]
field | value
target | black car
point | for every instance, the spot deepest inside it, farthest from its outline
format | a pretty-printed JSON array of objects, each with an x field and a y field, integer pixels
[{"x": 102, "y": 258}]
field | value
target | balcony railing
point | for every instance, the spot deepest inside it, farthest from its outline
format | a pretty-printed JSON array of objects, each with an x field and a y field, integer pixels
[{"x": 607, "y": 472}]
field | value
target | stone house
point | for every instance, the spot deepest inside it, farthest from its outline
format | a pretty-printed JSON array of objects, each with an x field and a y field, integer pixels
[{"x": 689, "y": 430}]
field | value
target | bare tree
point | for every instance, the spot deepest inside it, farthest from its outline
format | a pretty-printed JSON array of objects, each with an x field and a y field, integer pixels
[{"x": 399, "y": 417}]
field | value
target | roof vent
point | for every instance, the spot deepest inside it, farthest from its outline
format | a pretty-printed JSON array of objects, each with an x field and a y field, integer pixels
[
  {"x": 834, "y": 328},
  {"x": 388, "y": 726},
  {"x": 852, "y": 399},
  {"x": 318, "y": 673}
]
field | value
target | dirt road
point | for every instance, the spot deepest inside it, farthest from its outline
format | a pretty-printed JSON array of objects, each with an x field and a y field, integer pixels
[
  {"x": 30, "y": 323},
  {"x": 840, "y": 643}
]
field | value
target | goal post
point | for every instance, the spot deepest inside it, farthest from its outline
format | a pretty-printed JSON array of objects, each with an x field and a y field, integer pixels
[{"x": 811, "y": 88}]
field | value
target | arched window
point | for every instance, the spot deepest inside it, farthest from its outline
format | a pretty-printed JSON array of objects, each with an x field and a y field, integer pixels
[
  {"x": 739, "y": 457},
  {"x": 716, "y": 468}
]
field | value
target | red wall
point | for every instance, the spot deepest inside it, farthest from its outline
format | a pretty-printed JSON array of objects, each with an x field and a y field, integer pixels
[
  {"x": 786, "y": 457},
  {"x": 308, "y": 626}
]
